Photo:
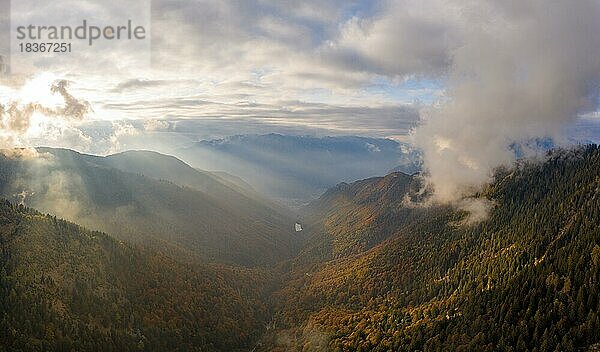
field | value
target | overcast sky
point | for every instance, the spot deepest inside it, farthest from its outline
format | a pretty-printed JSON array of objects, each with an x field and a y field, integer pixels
[{"x": 246, "y": 66}]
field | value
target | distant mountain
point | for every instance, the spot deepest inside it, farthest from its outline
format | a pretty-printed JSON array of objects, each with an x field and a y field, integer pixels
[
  {"x": 166, "y": 167},
  {"x": 155, "y": 200},
  {"x": 64, "y": 288},
  {"x": 296, "y": 169},
  {"x": 383, "y": 273}
]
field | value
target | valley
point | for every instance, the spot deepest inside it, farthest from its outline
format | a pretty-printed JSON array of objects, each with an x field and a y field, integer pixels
[
  {"x": 300, "y": 176},
  {"x": 193, "y": 260}
]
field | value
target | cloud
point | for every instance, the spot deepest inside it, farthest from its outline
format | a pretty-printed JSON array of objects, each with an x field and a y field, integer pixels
[
  {"x": 156, "y": 125},
  {"x": 118, "y": 140},
  {"x": 323, "y": 67},
  {"x": 20, "y": 153},
  {"x": 406, "y": 38},
  {"x": 235, "y": 59},
  {"x": 73, "y": 108},
  {"x": 396, "y": 119},
  {"x": 525, "y": 69},
  {"x": 477, "y": 210},
  {"x": 138, "y": 83},
  {"x": 45, "y": 184},
  {"x": 42, "y": 110}
]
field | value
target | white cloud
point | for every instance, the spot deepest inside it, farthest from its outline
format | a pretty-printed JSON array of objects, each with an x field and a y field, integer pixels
[
  {"x": 525, "y": 69},
  {"x": 252, "y": 65}
]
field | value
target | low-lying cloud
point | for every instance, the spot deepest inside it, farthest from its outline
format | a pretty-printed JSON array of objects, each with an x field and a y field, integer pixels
[{"x": 524, "y": 69}]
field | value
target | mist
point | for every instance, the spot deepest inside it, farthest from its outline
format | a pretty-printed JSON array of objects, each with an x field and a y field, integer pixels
[
  {"x": 523, "y": 69},
  {"x": 298, "y": 169}
]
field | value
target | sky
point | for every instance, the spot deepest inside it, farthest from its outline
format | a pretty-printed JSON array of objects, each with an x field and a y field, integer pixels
[
  {"x": 212, "y": 68},
  {"x": 301, "y": 67}
]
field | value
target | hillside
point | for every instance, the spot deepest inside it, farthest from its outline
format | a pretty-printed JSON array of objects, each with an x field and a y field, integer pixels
[
  {"x": 199, "y": 219},
  {"x": 351, "y": 218},
  {"x": 380, "y": 270},
  {"x": 398, "y": 277},
  {"x": 64, "y": 288},
  {"x": 231, "y": 191}
]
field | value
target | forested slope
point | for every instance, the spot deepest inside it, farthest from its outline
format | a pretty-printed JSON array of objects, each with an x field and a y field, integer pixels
[
  {"x": 64, "y": 288},
  {"x": 229, "y": 190},
  {"x": 382, "y": 270},
  {"x": 416, "y": 278},
  {"x": 183, "y": 222}
]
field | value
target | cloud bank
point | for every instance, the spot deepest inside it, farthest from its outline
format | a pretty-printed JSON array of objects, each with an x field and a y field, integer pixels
[
  {"x": 480, "y": 74},
  {"x": 524, "y": 69}
]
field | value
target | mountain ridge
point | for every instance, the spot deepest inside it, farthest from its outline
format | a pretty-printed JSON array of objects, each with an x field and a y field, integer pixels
[
  {"x": 434, "y": 285},
  {"x": 178, "y": 220},
  {"x": 297, "y": 169}
]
